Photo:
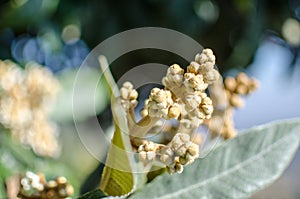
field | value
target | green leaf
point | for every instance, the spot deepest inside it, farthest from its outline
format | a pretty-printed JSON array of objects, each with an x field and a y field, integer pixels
[
  {"x": 117, "y": 177},
  {"x": 236, "y": 169},
  {"x": 2, "y": 189}
]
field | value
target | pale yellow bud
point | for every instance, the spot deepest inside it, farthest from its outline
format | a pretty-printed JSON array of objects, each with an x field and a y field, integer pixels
[
  {"x": 242, "y": 89},
  {"x": 193, "y": 68},
  {"x": 144, "y": 112},
  {"x": 175, "y": 69},
  {"x": 205, "y": 56},
  {"x": 128, "y": 85},
  {"x": 242, "y": 78},
  {"x": 158, "y": 95},
  {"x": 174, "y": 111},
  {"x": 230, "y": 83},
  {"x": 194, "y": 82},
  {"x": 236, "y": 101}
]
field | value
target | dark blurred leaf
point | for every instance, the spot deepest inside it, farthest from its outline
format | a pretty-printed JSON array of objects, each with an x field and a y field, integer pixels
[{"x": 93, "y": 180}]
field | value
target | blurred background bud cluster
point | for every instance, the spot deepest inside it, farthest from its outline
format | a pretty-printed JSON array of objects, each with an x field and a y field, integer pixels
[{"x": 260, "y": 38}]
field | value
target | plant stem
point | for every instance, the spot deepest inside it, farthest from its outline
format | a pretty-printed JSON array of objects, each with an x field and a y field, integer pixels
[{"x": 141, "y": 128}]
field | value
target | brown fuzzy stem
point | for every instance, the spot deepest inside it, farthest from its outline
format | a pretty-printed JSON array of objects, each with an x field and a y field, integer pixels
[
  {"x": 140, "y": 129},
  {"x": 131, "y": 118}
]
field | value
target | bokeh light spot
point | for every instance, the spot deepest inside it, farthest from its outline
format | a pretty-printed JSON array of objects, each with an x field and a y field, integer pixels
[
  {"x": 207, "y": 10},
  {"x": 291, "y": 31},
  {"x": 71, "y": 33}
]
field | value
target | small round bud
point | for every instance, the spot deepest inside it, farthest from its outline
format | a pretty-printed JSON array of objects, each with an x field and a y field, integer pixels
[
  {"x": 133, "y": 95},
  {"x": 242, "y": 89},
  {"x": 211, "y": 76},
  {"x": 236, "y": 101},
  {"x": 52, "y": 184},
  {"x": 174, "y": 111},
  {"x": 175, "y": 69},
  {"x": 194, "y": 150},
  {"x": 128, "y": 95},
  {"x": 242, "y": 78},
  {"x": 62, "y": 192},
  {"x": 69, "y": 190},
  {"x": 193, "y": 68},
  {"x": 50, "y": 193},
  {"x": 157, "y": 95},
  {"x": 144, "y": 112},
  {"x": 205, "y": 56},
  {"x": 253, "y": 85},
  {"x": 230, "y": 83},
  {"x": 61, "y": 180},
  {"x": 124, "y": 93},
  {"x": 194, "y": 82},
  {"x": 128, "y": 85},
  {"x": 149, "y": 146},
  {"x": 178, "y": 168}
]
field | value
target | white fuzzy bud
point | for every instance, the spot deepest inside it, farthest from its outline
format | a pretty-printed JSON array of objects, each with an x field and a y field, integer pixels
[
  {"x": 180, "y": 143},
  {"x": 31, "y": 184},
  {"x": 174, "y": 77},
  {"x": 128, "y": 95},
  {"x": 159, "y": 103},
  {"x": 193, "y": 68},
  {"x": 206, "y": 61},
  {"x": 205, "y": 56},
  {"x": 147, "y": 152},
  {"x": 194, "y": 82}
]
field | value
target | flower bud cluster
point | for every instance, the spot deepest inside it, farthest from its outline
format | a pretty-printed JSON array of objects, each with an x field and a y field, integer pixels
[
  {"x": 128, "y": 96},
  {"x": 200, "y": 73},
  {"x": 161, "y": 105},
  {"x": 25, "y": 100},
  {"x": 206, "y": 61},
  {"x": 240, "y": 85},
  {"x": 192, "y": 105},
  {"x": 183, "y": 98},
  {"x": 198, "y": 105},
  {"x": 147, "y": 151},
  {"x": 174, "y": 79},
  {"x": 35, "y": 186},
  {"x": 179, "y": 152}
]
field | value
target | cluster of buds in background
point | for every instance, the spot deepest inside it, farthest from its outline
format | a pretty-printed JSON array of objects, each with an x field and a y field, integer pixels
[
  {"x": 35, "y": 186},
  {"x": 26, "y": 97},
  {"x": 227, "y": 97}
]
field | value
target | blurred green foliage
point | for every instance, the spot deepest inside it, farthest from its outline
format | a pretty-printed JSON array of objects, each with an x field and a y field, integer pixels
[
  {"x": 231, "y": 27},
  {"x": 17, "y": 159}
]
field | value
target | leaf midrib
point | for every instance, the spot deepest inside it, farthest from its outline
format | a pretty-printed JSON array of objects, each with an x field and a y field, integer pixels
[{"x": 229, "y": 171}]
